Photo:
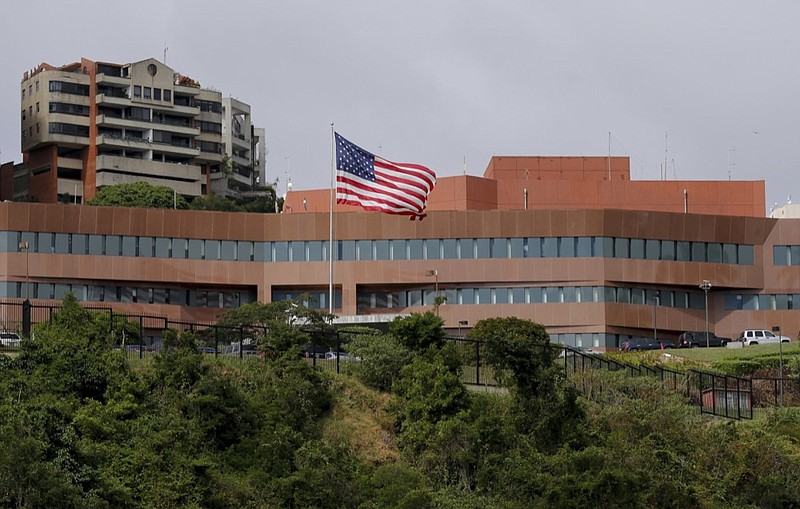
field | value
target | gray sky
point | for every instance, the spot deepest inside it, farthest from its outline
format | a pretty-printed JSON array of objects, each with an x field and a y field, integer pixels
[{"x": 437, "y": 81}]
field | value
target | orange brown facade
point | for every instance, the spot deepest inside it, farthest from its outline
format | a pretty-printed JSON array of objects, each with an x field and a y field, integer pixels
[{"x": 590, "y": 274}]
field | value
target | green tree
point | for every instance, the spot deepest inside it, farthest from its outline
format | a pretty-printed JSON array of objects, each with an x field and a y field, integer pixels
[
  {"x": 289, "y": 323},
  {"x": 382, "y": 357},
  {"x": 214, "y": 202},
  {"x": 419, "y": 331},
  {"x": 139, "y": 194},
  {"x": 519, "y": 351}
]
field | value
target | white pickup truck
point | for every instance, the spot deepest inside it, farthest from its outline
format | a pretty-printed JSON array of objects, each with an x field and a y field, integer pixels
[{"x": 760, "y": 337}]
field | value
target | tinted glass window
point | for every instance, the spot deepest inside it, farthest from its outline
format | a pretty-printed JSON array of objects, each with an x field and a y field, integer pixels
[
  {"x": 746, "y": 255},
  {"x": 714, "y": 252},
  {"x": 314, "y": 251},
  {"x": 113, "y": 245},
  {"x": 280, "y": 251},
  {"x": 683, "y": 251},
  {"x": 584, "y": 247},
  {"x": 483, "y": 248},
  {"x": 96, "y": 245},
  {"x": 533, "y": 247},
  {"x": 466, "y": 249},
  {"x": 399, "y": 249},
  {"x": 450, "y": 249},
  {"x": 163, "y": 245},
  {"x": 637, "y": 249},
  {"x": 212, "y": 250},
  {"x": 652, "y": 249},
  {"x": 729, "y": 253},
  {"x": 228, "y": 250},
  {"x": 699, "y": 251},
  {"x": 517, "y": 248},
  {"x": 432, "y": 249},
  {"x": 364, "y": 250},
  {"x": 415, "y": 249},
  {"x": 298, "y": 250},
  {"x": 622, "y": 248},
  {"x": 668, "y": 250},
  {"x": 245, "y": 250},
  {"x": 129, "y": 246},
  {"x": 566, "y": 247},
  {"x": 196, "y": 249},
  {"x": 381, "y": 249},
  {"x": 499, "y": 248},
  {"x": 62, "y": 243},
  {"x": 550, "y": 247},
  {"x": 146, "y": 246}
]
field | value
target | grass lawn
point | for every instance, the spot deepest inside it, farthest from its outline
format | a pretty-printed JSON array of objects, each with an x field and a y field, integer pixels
[{"x": 709, "y": 355}]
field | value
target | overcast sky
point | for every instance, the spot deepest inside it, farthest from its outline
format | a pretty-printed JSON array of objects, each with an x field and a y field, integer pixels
[{"x": 710, "y": 86}]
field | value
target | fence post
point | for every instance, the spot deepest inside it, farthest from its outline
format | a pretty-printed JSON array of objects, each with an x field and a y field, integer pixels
[
  {"x": 241, "y": 342},
  {"x": 26, "y": 318},
  {"x": 477, "y": 362}
]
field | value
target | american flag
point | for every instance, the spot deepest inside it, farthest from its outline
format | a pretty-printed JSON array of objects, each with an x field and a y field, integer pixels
[{"x": 373, "y": 183}]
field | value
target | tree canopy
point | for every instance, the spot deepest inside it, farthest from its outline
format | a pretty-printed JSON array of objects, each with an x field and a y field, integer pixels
[{"x": 139, "y": 194}]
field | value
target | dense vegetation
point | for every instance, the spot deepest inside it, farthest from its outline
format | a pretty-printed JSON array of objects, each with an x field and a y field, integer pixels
[
  {"x": 81, "y": 426},
  {"x": 146, "y": 195}
]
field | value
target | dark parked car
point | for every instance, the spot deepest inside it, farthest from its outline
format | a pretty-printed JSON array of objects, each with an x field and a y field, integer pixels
[
  {"x": 635, "y": 344},
  {"x": 310, "y": 350},
  {"x": 698, "y": 338}
]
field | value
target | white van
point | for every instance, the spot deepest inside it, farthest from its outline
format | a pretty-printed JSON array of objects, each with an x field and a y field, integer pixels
[{"x": 761, "y": 337}]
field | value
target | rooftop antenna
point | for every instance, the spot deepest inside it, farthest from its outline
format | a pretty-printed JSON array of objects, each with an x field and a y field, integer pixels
[
  {"x": 165, "y": 51},
  {"x": 609, "y": 156},
  {"x": 465, "y": 165},
  {"x": 666, "y": 156},
  {"x": 731, "y": 161},
  {"x": 789, "y": 200}
]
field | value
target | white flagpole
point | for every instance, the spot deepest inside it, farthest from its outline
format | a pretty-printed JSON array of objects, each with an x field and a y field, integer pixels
[{"x": 331, "y": 250}]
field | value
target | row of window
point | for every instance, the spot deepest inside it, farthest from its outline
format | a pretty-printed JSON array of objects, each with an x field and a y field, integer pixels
[
  {"x": 215, "y": 298},
  {"x": 786, "y": 255},
  {"x": 764, "y": 302},
  {"x": 371, "y": 250},
  {"x": 69, "y": 109},
  {"x": 154, "y": 94},
  {"x": 66, "y": 87},
  {"x": 366, "y": 299},
  {"x": 30, "y": 90},
  {"x": 209, "y": 106},
  {"x": 70, "y": 129}
]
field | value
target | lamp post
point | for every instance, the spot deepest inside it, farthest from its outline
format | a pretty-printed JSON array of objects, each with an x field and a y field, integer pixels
[
  {"x": 23, "y": 246},
  {"x": 461, "y": 323},
  {"x": 656, "y": 299},
  {"x": 777, "y": 328},
  {"x": 435, "y": 274},
  {"x": 706, "y": 286}
]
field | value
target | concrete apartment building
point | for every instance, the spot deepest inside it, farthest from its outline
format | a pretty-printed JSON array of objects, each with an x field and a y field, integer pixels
[
  {"x": 90, "y": 124},
  {"x": 570, "y": 242}
]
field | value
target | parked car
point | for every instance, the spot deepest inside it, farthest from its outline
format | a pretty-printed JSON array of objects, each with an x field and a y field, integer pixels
[
  {"x": 760, "y": 337},
  {"x": 236, "y": 349},
  {"x": 696, "y": 339},
  {"x": 311, "y": 350},
  {"x": 343, "y": 356},
  {"x": 11, "y": 339},
  {"x": 636, "y": 344}
]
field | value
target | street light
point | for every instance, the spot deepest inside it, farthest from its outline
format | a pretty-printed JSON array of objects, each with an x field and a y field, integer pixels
[
  {"x": 23, "y": 246},
  {"x": 435, "y": 274},
  {"x": 461, "y": 323},
  {"x": 777, "y": 328},
  {"x": 706, "y": 286},
  {"x": 656, "y": 298}
]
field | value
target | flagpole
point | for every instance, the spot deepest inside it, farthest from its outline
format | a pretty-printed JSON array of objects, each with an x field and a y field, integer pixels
[{"x": 330, "y": 237}]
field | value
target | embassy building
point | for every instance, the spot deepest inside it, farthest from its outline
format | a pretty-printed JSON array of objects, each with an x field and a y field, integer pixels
[{"x": 570, "y": 242}]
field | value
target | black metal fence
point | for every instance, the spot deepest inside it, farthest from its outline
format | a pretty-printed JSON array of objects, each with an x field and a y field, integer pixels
[{"x": 143, "y": 335}]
